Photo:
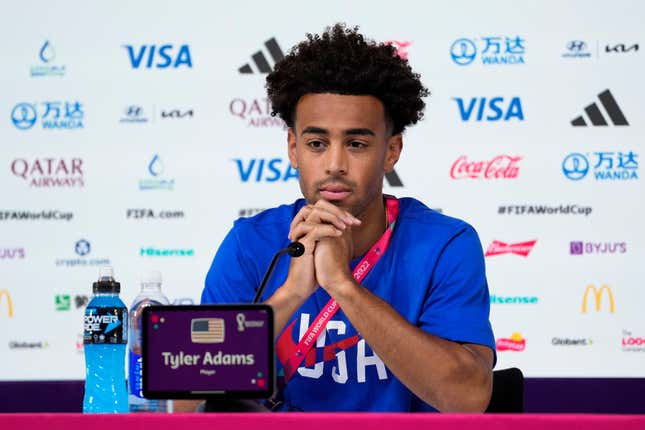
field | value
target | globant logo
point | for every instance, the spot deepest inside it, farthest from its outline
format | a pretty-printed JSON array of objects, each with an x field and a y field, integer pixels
[
  {"x": 491, "y": 51},
  {"x": 54, "y": 115},
  {"x": 255, "y": 113},
  {"x": 513, "y": 300},
  {"x": 605, "y": 166},
  {"x": 499, "y": 167},
  {"x": 565, "y": 341},
  {"x": 50, "y": 172},
  {"x": 527, "y": 209},
  {"x": 498, "y": 248},
  {"x": 166, "y": 252},
  {"x": 156, "y": 169},
  {"x": 159, "y": 56},
  {"x": 265, "y": 170},
  {"x": 580, "y": 248},
  {"x": 15, "y": 344},
  {"x": 515, "y": 343},
  {"x": 12, "y": 253},
  {"x": 134, "y": 114},
  {"x": 83, "y": 248},
  {"x": 47, "y": 55},
  {"x": 631, "y": 343},
  {"x": 492, "y": 109},
  {"x": 44, "y": 215}
]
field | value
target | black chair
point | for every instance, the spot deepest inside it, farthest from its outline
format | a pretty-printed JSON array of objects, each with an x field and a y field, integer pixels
[{"x": 508, "y": 391}]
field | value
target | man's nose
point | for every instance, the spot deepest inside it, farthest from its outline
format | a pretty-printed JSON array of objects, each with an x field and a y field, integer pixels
[{"x": 336, "y": 159}]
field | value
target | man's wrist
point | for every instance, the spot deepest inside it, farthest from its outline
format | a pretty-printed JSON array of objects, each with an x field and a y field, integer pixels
[{"x": 341, "y": 287}]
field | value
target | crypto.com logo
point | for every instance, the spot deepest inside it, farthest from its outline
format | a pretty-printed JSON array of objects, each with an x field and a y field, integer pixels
[
  {"x": 597, "y": 294},
  {"x": 4, "y": 294}
]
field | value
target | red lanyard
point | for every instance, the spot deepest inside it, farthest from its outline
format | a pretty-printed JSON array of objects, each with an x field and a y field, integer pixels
[{"x": 360, "y": 272}]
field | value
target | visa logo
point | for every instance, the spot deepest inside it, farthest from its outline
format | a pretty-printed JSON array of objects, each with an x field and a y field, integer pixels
[
  {"x": 160, "y": 57},
  {"x": 265, "y": 170},
  {"x": 494, "y": 109}
]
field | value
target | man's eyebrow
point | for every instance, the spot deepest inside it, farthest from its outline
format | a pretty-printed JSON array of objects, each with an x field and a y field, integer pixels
[
  {"x": 348, "y": 132},
  {"x": 314, "y": 130},
  {"x": 359, "y": 131}
]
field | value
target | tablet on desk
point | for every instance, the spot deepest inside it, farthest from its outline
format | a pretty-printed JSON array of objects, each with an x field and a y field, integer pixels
[{"x": 208, "y": 351}]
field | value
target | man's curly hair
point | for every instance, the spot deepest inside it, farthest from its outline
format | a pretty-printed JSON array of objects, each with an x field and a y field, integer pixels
[{"x": 342, "y": 61}]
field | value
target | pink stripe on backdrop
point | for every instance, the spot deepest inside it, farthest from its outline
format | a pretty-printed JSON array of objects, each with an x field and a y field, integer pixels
[{"x": 316, "y": 421}]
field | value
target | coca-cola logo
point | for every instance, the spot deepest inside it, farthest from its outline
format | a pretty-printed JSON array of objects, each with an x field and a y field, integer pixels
[
  {"x": 522, "y": 248},
  {"x": 49, "y": 172},
  {"x": 499, "y": 167}
]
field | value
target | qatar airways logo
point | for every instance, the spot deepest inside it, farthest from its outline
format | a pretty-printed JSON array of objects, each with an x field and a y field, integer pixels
[
  {"x": 401, "y": 47},
  {"x": 50, "y": 172},
  {"x": 498, "y": 248},
  {"x": 499, "y": 167}
]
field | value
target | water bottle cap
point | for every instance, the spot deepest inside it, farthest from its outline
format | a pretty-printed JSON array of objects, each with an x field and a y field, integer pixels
[
  {"x": 106, "y": 282},
  {"x": 151, "y": 277}
]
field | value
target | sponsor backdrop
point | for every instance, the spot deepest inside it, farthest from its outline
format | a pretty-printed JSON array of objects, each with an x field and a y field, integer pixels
[{"x": 135, "y": 134}]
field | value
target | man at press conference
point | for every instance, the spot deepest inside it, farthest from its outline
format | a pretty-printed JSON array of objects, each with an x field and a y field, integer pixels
[{"x": 388, "y": 308}]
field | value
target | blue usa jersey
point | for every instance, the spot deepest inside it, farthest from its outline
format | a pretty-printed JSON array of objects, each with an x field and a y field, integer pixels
[{"x": 432, "y": 273}]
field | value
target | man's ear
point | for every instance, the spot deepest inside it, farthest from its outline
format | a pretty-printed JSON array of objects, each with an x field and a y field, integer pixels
[
  {"x": 291, "y": 143},
  {"x": 392, "y": 152}
]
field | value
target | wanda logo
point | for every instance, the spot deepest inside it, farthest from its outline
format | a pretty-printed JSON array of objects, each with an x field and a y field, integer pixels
[
  {"x": 498, "y": 248},
  {"x": 500, "y": 167}
]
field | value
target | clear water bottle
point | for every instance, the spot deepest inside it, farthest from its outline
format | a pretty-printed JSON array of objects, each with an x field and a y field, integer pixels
[
  {"x": 105, "y": 335},
  {"x": 150, "y": 295}
]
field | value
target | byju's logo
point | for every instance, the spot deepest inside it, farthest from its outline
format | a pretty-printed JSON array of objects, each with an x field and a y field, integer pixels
[
  {"x": 608, "y": 166},
  {"x": 255, "y": 112},
  {"x": 493, "y": 50},
  {"x": 157, "y": 182},
  {"x": 260, "y": 60},
  {"x": 265, "y": 170},
  {"x": 577, "y": 49},
  {"x": 159, "y": 57},
  {"x": 580, "y": 248},
  {"x": 493, "y": 109},
  {"x": 55, "y": 115},
  {"x": 498, "y": 248},
  {"x": 50, "y": 172},
  {"x": 597, "y": 118},
  {"x": 12, "y": 253},
  {"x": 134, "y": 114},
  {"x": 499, "y": 167},
  {"x": 597, "y": 295},
  {"x": 515, "y": 343},
  {"x": 82, "y": 248},
  {"x": 47, "y": 55}
]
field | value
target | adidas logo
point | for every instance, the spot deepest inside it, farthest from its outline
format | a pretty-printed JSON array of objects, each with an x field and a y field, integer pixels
[
  {"x": 596, "y": 116},
  {"x": 260, "y": 61}
]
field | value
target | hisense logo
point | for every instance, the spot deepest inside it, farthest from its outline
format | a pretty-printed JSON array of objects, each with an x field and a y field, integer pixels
[{"x": 513, "y": 300}]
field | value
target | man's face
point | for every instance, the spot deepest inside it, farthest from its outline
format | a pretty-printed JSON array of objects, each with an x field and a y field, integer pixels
[{"x": 342, "y": 148}]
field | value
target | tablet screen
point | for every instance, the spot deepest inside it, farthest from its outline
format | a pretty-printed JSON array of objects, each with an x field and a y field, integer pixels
[{"x": 208, "y": 351}]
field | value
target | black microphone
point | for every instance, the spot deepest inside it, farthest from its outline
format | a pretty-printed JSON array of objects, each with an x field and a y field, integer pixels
[{"x": 295, "y": 249}]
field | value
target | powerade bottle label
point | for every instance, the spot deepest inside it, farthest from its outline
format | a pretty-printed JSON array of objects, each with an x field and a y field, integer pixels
[{"x": 105, "y": 325}]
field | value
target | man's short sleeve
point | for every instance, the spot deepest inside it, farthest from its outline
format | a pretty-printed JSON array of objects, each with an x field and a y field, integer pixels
[
  {"x": 457, "y": 306},
  {"x": 232, "y": 277}
]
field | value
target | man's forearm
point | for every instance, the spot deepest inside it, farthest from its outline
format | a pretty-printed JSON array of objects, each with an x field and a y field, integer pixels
[
  {"x": 446, "y": 375},
  {"x": 284, "y": 304}
]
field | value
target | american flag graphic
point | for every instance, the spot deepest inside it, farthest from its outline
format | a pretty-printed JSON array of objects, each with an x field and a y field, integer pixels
[{"x": 207, "y": 330}]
